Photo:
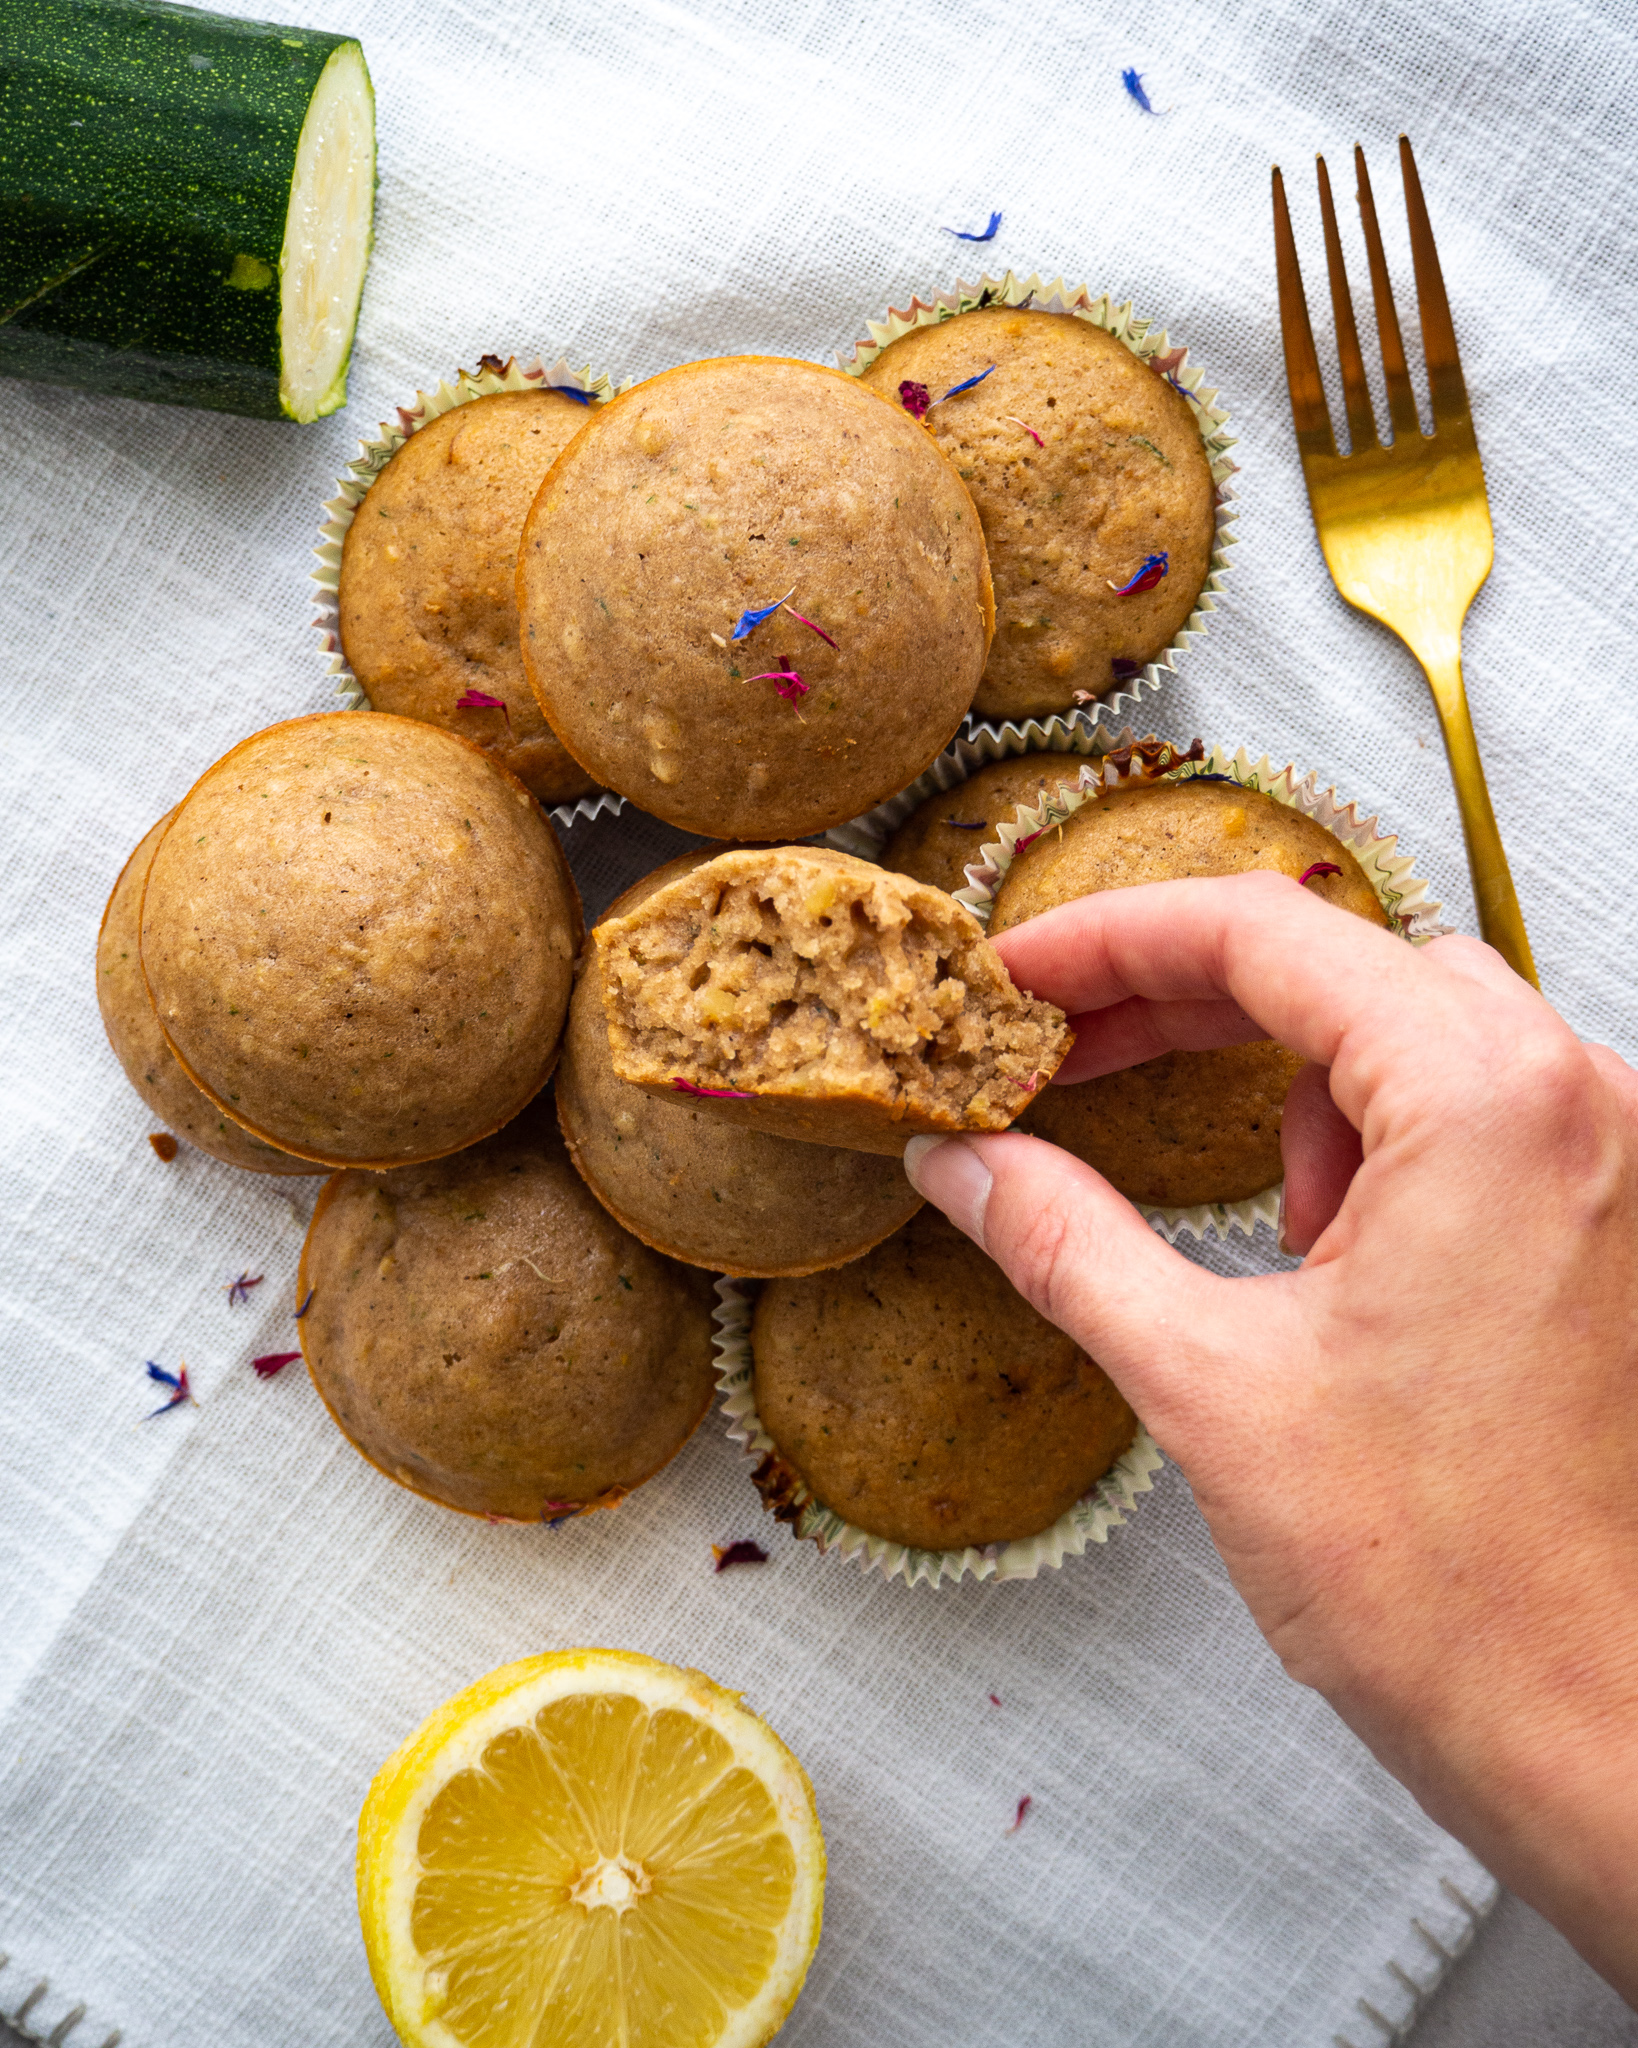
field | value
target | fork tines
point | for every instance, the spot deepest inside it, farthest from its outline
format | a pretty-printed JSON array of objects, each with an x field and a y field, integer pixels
[{"x": 1447, "y": 392}]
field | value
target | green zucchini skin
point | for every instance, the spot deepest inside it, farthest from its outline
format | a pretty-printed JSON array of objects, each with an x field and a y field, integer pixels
[{"x": 146, "y": 158}]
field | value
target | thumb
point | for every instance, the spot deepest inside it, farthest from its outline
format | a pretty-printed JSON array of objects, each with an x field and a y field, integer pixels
[{"x": 1081, "y": 1254}]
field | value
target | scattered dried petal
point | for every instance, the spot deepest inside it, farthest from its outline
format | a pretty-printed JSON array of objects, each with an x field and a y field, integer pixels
[
  {"x": 573, "y": 391},
  {"x": 1133, "y": 82},
  {"x": 1153, "y": 569},
  {"x": 178, "y": 1383},
  {"x": 967, "y": 824},
  {"x": 306, "y": 1305},
  {"x": 164, "y": 1144},
  {"x": 1122, "y": 669},
  {"x": 723, "y": 1094},
  {"x": 987, "y": 236},
  {"x": 750, "y": 620},
  {"x": 1028, "y": 429},
  {"x": 1320, "y": 867},
  {"x": 1019, "y": 1817},
  {"x": 812, "y": 628},
  {"x": 787, "y": 683},
  {"x": 966, "y": 385},
  {"x": 914, "y": 398},
  {"x": 239, "y": 1290},
  {"x": 995, "y": 1699},
  {"x": 272, "y": 1363},
  {"x": 478, "y": 700},
  {"x": 742, "y": 1552}
]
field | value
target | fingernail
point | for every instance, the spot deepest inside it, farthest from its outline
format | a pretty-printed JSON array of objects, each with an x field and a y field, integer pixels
[
  {"x": 953, "y": 1178},
  {"x": 1279, "y": 1225}
]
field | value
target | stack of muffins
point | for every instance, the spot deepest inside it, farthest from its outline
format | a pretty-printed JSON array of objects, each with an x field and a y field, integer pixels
[{"x": 754, "y": 598}]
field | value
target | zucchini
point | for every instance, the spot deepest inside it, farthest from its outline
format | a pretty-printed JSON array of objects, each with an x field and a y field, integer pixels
[{"x": 186, "y": 203}]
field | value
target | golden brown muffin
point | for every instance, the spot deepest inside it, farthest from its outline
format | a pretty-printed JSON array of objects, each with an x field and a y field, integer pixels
[
  {"x": 806, "y": 993},
  {"x": 1120, "y": 474},
  {"x": 489, "y": 1338},
  {"x": 920, "y": 1397},
  {"x": 1188, "y": 1127},
  {"x": 716, "y": 490},
  {"x": 705, "y": 1190},
  {"x": 941, "y": 837},
  {"x": 428, "y": 597},
  {"x": 359, "y": 935},
  {"x": 139, "y": 1044}
]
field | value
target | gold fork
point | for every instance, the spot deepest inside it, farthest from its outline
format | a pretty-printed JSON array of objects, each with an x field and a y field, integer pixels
[{"x": 1405, "y": 528}]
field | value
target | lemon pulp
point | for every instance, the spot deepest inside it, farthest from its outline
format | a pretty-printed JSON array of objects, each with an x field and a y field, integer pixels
[{"x": 608, "y": 1875}]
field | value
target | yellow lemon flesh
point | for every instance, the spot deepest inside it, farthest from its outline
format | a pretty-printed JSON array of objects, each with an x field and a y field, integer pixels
[{"x": 590, "y": 1849}]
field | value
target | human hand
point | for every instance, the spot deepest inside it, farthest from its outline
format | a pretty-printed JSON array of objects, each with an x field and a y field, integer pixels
[{"x": 1418, "y": 1453}]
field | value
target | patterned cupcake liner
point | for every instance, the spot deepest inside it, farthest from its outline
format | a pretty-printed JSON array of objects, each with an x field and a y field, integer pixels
[
  {"x": 1152, "y": 347},
  {"x": 1089, "y": 1520},
  {"x": 492, "y": 375},
  {"x": 1107, "y": 764}
]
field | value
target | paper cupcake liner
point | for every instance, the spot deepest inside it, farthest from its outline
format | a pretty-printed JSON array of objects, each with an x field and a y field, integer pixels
[
  {"x": 491, "y": 375},
  {"x": 1103, "y": 1508},
  {"x": 1152, "y": 347},
  {"x": 1107, "y": 764}
]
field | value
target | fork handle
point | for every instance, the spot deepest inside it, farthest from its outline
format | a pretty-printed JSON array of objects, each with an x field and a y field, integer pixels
[{"x": 1500, "y": 921}]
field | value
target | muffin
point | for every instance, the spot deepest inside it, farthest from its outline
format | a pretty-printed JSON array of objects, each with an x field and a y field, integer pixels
[
  {"x": 941, "y": 837},
  {"x": 139, "y": 1044},
  {"x": 705, "y": 1190},
  {"x": 484, "y": 1334},
  {"x": 919, "y": 1396},
  {"x": 650, "y": 581},
  {"x": 428, "y": 601},
  {"x": 1189, "y": 1127},
  {"x": 1117, "y": 476},
  {"x": 359, "y": 935},
  {"x": 806, "y": 993}
]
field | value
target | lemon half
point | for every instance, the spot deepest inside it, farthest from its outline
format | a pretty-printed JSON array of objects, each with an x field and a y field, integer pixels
[{"x": 590, "y": 1849}]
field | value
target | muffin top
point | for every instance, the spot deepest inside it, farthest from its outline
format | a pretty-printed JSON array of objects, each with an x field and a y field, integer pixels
[
  {"x": 428, "y": 597},
  {"x": 709, "y": 494},
  {"x": 718, "y": 1194},
  {"x": 809, "y": 994},
  {"x": 359, "y": 935},
  {"x": 1166, "y": 831},
  {"x": 139, "y": 1044},
  {"x": 488, "y": 1337},
  {"x": 942, "y": 836},
  {"x": 1119, "y": 475},
  {"x": 1186, "y": 1128},
  {"x": 919, "y": 1396}
]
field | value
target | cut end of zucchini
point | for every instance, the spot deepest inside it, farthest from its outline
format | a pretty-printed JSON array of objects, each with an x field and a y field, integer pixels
[{"x": 327, "y": 238}]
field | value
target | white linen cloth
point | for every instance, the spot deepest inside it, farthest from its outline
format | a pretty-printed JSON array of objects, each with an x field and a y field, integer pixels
[{"x": 214, "y": 1625}]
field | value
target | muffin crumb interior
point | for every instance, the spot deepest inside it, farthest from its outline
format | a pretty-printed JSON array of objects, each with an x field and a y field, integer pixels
[{"x": 824, "y": 979}]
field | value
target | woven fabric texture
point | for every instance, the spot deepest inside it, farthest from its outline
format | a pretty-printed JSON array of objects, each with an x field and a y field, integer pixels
[{"x": 214, "y": 1625}]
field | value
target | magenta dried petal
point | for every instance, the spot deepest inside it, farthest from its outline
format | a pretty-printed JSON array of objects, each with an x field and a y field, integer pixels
[
  {"x": 742, "y": 1552},
  {"x": 1320, "y": 867},
  {"x": 272, "y": 1363},
  {"x": 1028, "y": 429},
  {"x": 812, "y": 628},
  {"x": 716, "y": 1094},
  {"x": 915, "y": 398}
]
